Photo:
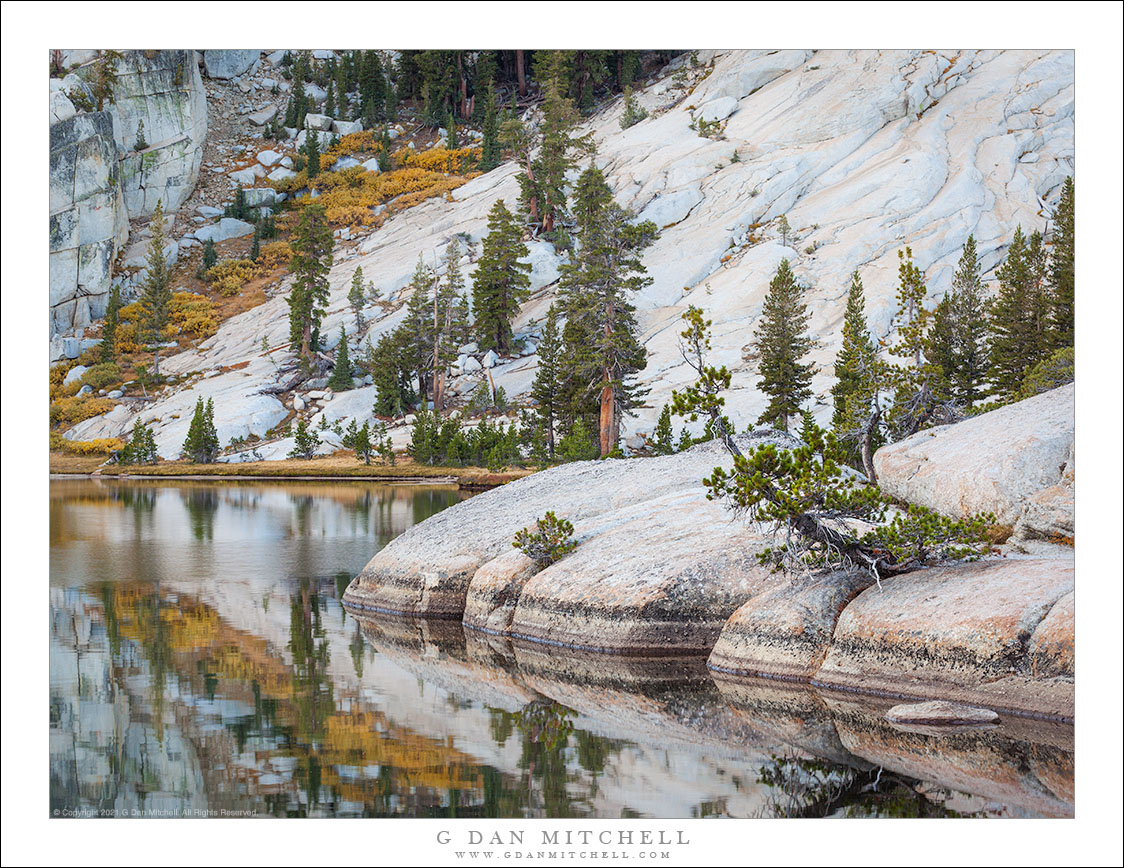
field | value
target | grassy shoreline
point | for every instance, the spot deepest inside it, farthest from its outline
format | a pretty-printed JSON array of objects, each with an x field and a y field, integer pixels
[{"x": 326, "y": 468}]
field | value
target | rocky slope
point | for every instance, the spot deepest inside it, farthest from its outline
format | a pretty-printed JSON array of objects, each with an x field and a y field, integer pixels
[
  {"x": 104, "y": 171},
  {"x": 866, "y": 152}
]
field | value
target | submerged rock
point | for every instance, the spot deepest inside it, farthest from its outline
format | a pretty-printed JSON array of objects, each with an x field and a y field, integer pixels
[{"x": 941, "y": 713}]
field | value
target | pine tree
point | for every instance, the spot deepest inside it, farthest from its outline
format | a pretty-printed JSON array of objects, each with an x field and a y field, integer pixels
[
  {"x": 971, "y": 362},
  {"x": 372, "y": 87},
  {"x": 451, "y": 142},
  {"x": 156, "y": 290},
  {"x": 501, "y": 282},
  {"x": 782, "y": 341},
  {"x": 856, "y": 416},
  {"x": 305, "y": 441},
  {"x": 449, "y": 322},
  {"x": 633, "y": 112},
  {"x": 597, "y": 286},
  {"x": 545, "y": 389},
  {"x": 107, "y": 352},
  {"x": 340, "y": 381},
  {"x": 1062, "y": 271},
  {"x": 361, "y": 443},
  {"x": 784, "y": 229},
  {"x": 702, "y": 398},
  {"x": 921, "y": 389},
  {"x": 308, "y": 298},
  {"x": 664, "y": 436},
  {"x": 255, "y": 244},
  {"x": 312, "y": 154},
  {"x": 141, "y": 448},
  {"x": 141, "y": 143},
  {"x": 330, "y": 101},
  {"x": 1017, "y": 314},
  {"x": 543, "y": 184},
  {"x": 201, "y": 446},
  {"x": 210, "y": 255},
  {"x": 416, "y": 331},
  {"x": 357, "y": 296},
  {"x": 490, "y": 152},
  {"x": 392, "y": 380}
]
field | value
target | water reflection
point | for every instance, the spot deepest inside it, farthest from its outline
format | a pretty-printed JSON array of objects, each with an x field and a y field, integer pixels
[{"x": 201, "y": 661}]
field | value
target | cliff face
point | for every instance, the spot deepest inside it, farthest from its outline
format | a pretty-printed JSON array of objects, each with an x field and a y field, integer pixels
[{"x": 99, "y": 179}]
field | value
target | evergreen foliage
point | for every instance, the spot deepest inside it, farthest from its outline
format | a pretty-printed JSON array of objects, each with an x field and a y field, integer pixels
[
  {"x": 201, "y": 446},
  {"x": 546, "y": 388},
  {"x": 859, "y": 374},
  {"x": 808, "y": 499},
  {"x": 1018, "y": 314},
  {"x": 341, "y": 381},
  {"x": 490, "y": 152},
  {"x": 141, "y": 448},
  {"x": 701, "y": 397},
  {"x": 1062, "y": 264},
  {"x": 447, "y": 443},
  {"x": 603, "y": 354},
  {"x": 305, "y": 441},
  {"x": 633, "y": 112},
  {"x": 107, "y": 350},
  {"x": 551, "y": 541},
  {"x": 782, "y": 341},
  {"x": 501, "y": 282},
  {"x": 156, "y": 290},
  {"x": 312, "y": 257},
  {"x": 357, "y": 296},
  {"x": 664, "y": 442}
]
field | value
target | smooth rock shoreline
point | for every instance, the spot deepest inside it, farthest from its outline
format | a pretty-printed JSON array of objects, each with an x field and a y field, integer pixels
[{"x": 660, "y": 570}]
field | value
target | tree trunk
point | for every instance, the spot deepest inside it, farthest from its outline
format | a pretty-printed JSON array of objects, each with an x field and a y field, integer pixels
[
  {"x": 519, "y": 72},
  {"x": 608, "y": 420},
  {"x": 867, "y": 441}
]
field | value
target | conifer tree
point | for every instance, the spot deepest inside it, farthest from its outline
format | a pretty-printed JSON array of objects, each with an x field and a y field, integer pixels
[
  {"x": 1017, "y": 315},
  {"x": 921, "y": 388},
  {"x": 372, "y": 87},
  {"x": 702, "y": 397},
  {"x": 357, "y": 296},
  {"x": 255, "y": 244},
  {"x": 968, "y": 376},
  {"x": 312, "y": 154},
  {"x": 305, "y": 441},
  {"x": 201, "y": 446},
  {"x": 859, "y": 375},
  {"x": 107, "y": 352},
  {"x": 545, "y": 389},
  {"x": 341, "y": 381},
  {"x": 597, "y": 286},
  {"x": 1062, "y": 271},
  {"x": 449, "y": 322},
  {"x": 361, "y": 443},
  {"x": 330, "y": 101},
  {"x": 392, "y": 380},
  {"x": 664, "y": 436},
  {"x": 308, "y": 298},
  {"x": 490, "y": 153},
  {"x": 543, "y": 184},
  {"x": 141, "y": 448},
  {"x": 501, "y": 282},
  {"x": 782, "y": 341},
  {"x": 156, "y": 290},
  {"x": 416, "y": 333},
  {"x": 210, "y": 255},
  {"x": 451, "y": 142}
]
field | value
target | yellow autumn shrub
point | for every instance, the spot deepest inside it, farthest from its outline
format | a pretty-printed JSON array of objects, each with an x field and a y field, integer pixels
[
  {"x": 101, "y": 446},
  {"x": 125, "y": 338},
  {"x": 194, "y": 314},
  {"x": 71, "y": 411},
  {"x": 228, "y": 276},
  {"x": 455, "y": 161},
  {"x": 274, "y": 254}
]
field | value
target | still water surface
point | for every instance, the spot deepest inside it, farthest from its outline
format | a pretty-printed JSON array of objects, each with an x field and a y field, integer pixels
[{"x": 200, "y": 662}]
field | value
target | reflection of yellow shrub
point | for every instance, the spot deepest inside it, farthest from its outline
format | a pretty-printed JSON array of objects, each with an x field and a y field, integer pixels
[
  {"x": 193, "y": 314},
  {"x": 228, "y": 276},
  {"x": 71, "y": 411},
  {"x": 274, "y": 254}
]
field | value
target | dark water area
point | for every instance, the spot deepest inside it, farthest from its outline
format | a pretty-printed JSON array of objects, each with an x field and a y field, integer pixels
[{"x": 201, "y": 664}]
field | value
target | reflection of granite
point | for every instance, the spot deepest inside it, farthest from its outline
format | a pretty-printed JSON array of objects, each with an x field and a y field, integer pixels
[{"x": 1026, "y": 765}]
